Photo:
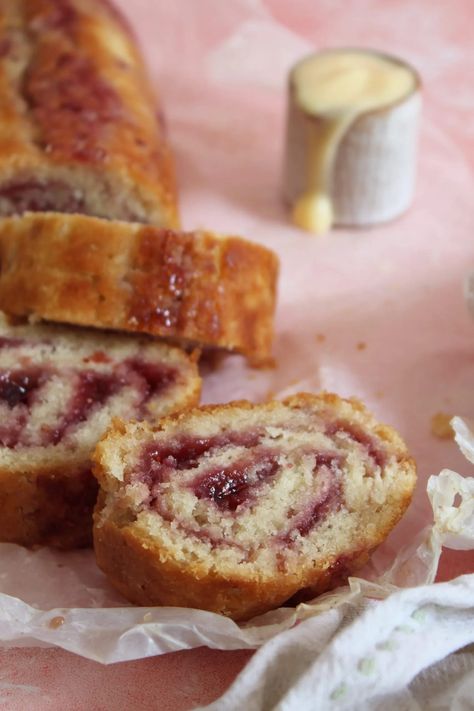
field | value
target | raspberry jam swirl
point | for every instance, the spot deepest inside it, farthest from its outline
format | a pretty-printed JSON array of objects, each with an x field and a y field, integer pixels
[
  {"x": 235, "y": 487},
  {"x": 24, "y": 390},
  {"x": 231, "y": 474}
]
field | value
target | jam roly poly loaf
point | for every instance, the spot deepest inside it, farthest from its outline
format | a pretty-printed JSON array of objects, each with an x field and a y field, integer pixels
[
  {"x": 80, "y": 133},
  {"x": 238, "y": 508},
  {"x": 59, "y": 390}
]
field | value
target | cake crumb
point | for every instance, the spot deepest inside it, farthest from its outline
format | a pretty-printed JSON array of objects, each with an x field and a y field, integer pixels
[
  {"x": 56, "y": 622},
  {"x": 361, "y": 346},
  {"x": 320, "y": 337},
  {"x": 440, "y": 426}
]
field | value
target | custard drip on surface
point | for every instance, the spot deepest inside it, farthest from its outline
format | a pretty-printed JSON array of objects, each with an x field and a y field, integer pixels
[{"x": 336, "y": 88}]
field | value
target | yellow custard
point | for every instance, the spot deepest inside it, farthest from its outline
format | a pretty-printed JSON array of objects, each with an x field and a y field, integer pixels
[{"x": 336, "y": 87}]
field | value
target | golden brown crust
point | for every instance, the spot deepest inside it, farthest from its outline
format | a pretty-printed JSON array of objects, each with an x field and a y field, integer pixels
[
  {"x": 146, "y": 576},
  {"x": 79, "y": 126},
  {"x": 51, "y": 507},
  {"x": 148, "y": 573},
  {"x": 196, "y": 288}
]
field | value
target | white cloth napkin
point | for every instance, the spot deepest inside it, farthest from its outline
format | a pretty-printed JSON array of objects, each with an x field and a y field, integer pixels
[
  {"x": 382, "y": 660},
  {"x": 381, "y": 650}
]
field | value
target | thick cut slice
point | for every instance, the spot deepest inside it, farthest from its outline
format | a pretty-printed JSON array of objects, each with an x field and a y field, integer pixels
[
  {"x": 80, "y": 129},
  {"x": 196, "y": 288},
  {"x": 59, "y": 390},
  {"x": 239, "y": 508}
]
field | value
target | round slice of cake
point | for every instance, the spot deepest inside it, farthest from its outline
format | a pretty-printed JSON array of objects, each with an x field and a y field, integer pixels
[
  {"x": 59, "y": 390},
  {"x": 195, "y": 288},
  {"x": 239, "y": 508}
]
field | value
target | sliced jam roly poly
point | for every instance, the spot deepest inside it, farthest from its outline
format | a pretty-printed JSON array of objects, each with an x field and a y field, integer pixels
[
  {"x": 156, "y": 377},
  {"x": 94, "y": 388},
  {"x": 331, "y": 500},
  {"x": 231, "y": 486},
  {"x": 158, "y": 460},
  {"x": 18, "y": 386},
  {"x": 90, "y": 389},
  {"x": 358, "y": 435},
  {"x": 327, "y": 459},
  {"x": 10, "y": 342}
]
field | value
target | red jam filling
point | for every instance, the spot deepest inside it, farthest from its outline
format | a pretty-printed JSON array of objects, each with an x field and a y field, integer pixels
[
  {"x": 10, "y": 342},
  {"x": 331, "y": 500},
  {"x": 18, "y": 386},
  {"x": 229, "y": 487},
  {"x": 358, "y": 435},
  {"x": 93, "y": 389},
  {"x": 18, "y": 389},
  {"x": 155, "y": 378},
  {"x": 61, "y": 16},
  {"x": 158, "y": 461},
  {"x": 52, "y": 196},
  {"x": 35, "y": 196},
  {"x": 326, "y": 459}
]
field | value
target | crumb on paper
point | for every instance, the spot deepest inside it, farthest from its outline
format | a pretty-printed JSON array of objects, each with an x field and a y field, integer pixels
[
  {"x": 147, "y": 617},
  {"x": 320, "y": 337},
  {"x": 361, "y": 346},
  {"x": 56, "y": 622},
  {"x": 440, "y": 426}
]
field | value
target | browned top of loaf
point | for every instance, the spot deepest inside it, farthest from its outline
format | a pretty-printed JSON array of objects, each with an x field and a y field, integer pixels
[
  {"x": 195, "y": 287},
  {"x": 75, "y": 93}
]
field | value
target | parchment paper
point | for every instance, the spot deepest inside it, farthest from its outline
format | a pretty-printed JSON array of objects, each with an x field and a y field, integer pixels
[{"x": 378, "y": 314}]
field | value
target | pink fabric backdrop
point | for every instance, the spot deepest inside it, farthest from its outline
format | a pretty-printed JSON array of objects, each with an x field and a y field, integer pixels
[{"x": 220, "y": 68}]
